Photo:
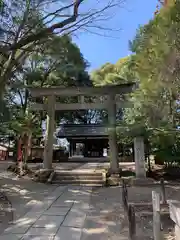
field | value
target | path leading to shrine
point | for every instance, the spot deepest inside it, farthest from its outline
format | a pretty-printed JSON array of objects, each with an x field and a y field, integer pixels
[
  {"x": 42, "y": 212},
  {"x": 93, "y": 165},
  {"x": 106, "y": 165},
  {"x": 51, "y": 212},
  {"x": 60, "y": 216}
]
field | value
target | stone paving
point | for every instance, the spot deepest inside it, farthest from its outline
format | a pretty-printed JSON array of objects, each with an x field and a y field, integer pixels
[
  {"x": 83, "y": 213},
  {"x": 105, "y": 165},
  {"x": 60, "y": 217},
  {"x": 22, "y": 193},
  {"x": 51, "y": 212}
]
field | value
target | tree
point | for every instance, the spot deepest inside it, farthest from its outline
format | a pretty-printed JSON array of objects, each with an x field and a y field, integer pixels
[
  {"x": 25, "y": 25},
  {"x": 113, "y": 73},
  {"x": 4, "y": 117},
  {"x": 117, "y": 73},
  {"x": 156, "y": 63},
  {"x": 71, "y": 21},
  {"x": 60, "y": 62}
]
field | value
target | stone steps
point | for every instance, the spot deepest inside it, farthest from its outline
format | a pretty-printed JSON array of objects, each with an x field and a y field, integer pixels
[
  {"x": 78, "y": 173},
  {"x": 85, "y": 178},
  {"x": 68, "y": 177},
  {"x": 80, "y": 182}
]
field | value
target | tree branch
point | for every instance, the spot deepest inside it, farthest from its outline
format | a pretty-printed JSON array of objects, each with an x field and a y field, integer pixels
[
  {"x": 58, "y": 11},
  {"x": 47, "y": 31},
  {"x": 21, "y": 98}
]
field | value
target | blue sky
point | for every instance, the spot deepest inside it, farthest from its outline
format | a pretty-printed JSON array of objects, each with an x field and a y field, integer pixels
[{"x": 99, "y": 50}]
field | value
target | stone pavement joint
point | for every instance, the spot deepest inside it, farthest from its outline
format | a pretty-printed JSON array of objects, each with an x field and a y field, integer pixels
[{"x": 61, "y": 217}]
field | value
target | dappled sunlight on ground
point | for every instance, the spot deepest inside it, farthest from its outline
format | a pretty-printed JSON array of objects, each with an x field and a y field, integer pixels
[
  {"x": 60, "y": 212},
  {"x": 105, "y": 218},
  {"x": 23, "y": 194},
  {"x": 23, "y": 221},
  {"x": 59, "y": 215}
]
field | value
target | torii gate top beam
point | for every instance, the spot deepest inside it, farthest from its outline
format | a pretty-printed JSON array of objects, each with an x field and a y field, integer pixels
[{"x": 83, "y": 91}]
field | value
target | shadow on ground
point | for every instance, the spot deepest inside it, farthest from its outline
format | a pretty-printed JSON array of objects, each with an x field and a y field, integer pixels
[
  {"x": 22, "y": 195},
  {"x": 105, "y": 219}
]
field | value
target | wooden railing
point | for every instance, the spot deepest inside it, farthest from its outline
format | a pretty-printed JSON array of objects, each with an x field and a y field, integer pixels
[{"x": 174, "y": 211}]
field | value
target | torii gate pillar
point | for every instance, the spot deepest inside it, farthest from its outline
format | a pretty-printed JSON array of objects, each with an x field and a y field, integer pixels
[
  {"x": 114, "y": 162},
  {"x": 48, "y": 148}
]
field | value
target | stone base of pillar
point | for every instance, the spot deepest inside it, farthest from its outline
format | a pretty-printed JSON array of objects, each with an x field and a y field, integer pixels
[
  {"x": 51, "y": 177},
  {"x": 177, "y": 232},
  {"x": 111, "y": 171},
  {"x": 114, "y": 180},
  {"x": 42, "y": 175},
  {"x": 142, "y": 181}
]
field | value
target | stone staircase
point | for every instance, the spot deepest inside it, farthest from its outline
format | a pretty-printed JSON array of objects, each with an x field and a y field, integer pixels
[{"x": 79, "y": 177}]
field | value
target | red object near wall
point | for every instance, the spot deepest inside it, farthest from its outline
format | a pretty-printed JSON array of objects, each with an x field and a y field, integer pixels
[{"x": 3, "y": 153}]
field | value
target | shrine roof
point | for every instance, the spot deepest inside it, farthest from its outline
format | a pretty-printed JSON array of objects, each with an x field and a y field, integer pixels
[{"x": 82, "y": 130}]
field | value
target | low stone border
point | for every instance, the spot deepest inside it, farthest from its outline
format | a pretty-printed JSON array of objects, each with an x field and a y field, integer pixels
[{"x": 51, "y": 177}]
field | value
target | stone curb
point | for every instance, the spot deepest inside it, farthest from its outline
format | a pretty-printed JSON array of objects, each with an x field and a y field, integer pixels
[{"x": 51, "y": 177}]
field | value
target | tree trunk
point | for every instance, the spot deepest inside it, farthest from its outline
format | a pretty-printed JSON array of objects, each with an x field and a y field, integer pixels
[
  {"x": 148, "y": 155},
  {"x": 27, "y": 148}
]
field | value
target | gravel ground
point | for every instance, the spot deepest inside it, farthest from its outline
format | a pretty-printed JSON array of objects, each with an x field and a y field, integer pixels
[{"x": 106, "y": 209}]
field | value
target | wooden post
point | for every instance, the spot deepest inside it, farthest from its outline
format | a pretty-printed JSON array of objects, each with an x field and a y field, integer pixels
[
  {"x": 156, "y": 215},
  {"x": 125, "y": 197},
  {"x": 163, "y": 191},
  {"x": 132, "y": 222},
  {"x": 48, "y": 148},
  {"x": 125, "y": 187}
]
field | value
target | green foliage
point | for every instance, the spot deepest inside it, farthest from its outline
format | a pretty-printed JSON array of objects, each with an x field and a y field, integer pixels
[
  {"x": 4, "y": 117},
  {"x": 58, "y": 62},
  {"x": 155, "y": 65},
  {"x": 27, "y": 25},
  {"x": 166, "y": 145},
  {"x": 1, "y": 6},
  {"x": 114, "y": 73},
  {"x": 156, "y": 61}
]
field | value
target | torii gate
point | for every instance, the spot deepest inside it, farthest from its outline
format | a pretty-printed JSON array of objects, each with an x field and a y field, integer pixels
[{"x": 110, "y": 103}]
